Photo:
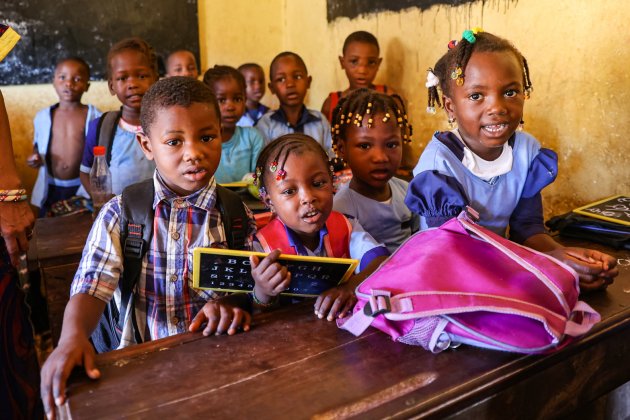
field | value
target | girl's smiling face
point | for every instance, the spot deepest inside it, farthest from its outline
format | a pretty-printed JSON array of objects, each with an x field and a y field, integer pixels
[
  {"x": 488, "y": 107},
  {"x": 303, "y": 200}
]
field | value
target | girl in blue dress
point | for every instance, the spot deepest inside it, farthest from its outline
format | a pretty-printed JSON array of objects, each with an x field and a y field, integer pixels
[{"x": 485, "y": 163}]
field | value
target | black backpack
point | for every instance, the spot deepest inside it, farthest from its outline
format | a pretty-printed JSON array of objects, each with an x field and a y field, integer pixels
[
  {"x": 105, "y": 131},
  {"x": 136, "y": 230}
]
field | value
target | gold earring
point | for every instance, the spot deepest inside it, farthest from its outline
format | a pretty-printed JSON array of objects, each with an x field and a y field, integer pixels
[{"x": 452, "y": 122}]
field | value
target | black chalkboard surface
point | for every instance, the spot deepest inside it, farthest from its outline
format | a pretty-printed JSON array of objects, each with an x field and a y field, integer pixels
[
  {"x": 613, "y": 209},
  {"x": 353, "y": 8},
  {"x": 229, "y": 270},
  {"x": 53, "y": 29}
]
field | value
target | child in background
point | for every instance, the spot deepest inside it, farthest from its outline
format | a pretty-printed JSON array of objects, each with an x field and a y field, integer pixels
[
  {"x": 289, "y": 81},
  {"x": 295, "y": 181},
  {"x": 181, "y": 126},
  {"x": 131, "y": 70},
  {"x": 255, "y": 82},
  {"x": 360, "y": 60},
  {"x": 59, "y": 136},
  {"x": 373, "y": 151},
  {"x": 486, "y": 163},
  {"x": 241, "y": 145},
  {"x": 182, "y": 63}
]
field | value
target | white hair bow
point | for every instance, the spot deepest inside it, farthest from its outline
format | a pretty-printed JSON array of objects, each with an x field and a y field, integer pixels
[{"x": 432, "y": 80}]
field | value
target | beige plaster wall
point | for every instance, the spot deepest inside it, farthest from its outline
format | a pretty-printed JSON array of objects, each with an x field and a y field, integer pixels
[{"x": 577, "y": 50}]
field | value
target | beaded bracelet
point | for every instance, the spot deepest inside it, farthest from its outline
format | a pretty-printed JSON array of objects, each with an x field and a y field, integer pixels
[
  {"x": 269, "y": 304},
  {"x": 13, "y": 192},
  {"x": 13, "y": 197}
]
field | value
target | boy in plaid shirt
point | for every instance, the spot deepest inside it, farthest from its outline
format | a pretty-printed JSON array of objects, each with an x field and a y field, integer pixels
[{"x": 181, "y": 132}]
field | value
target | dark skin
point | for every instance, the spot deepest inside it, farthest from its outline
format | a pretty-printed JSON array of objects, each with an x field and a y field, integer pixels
[
  {"x": 303, "y": 201},
  {"x": 180, "y": 139},
  {"x": 16, "y": 219},
  {"x": 374, "y": 154},
  {"x": 131, "y": 75},
  {"x": 488, "y": 108},
  {"x": 81, "y": 318},
  {"x": 71, "y": 81},
  {"x": 290, "y": 81}
]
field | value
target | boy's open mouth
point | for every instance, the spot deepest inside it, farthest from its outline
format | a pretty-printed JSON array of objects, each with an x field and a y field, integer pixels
[{"x": 195, "y": 173}]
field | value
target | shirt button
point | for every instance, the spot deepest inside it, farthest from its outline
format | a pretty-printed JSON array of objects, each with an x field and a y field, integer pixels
[
  {"x": 173, "y": 277},
  {"x": 175, "y": 235},
  {"x": 175, "y": 320},
  {"x": 179, "y": 202}
]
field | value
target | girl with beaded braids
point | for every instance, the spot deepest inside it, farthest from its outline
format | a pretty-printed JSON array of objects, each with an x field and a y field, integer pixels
[
  {"x": 369, "y": 129},
  {"x": 485, "y": 162},
  {"x": 295, "y": 181}
]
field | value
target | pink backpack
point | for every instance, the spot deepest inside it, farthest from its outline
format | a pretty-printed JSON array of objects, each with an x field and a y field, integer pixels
[{"x": 461, "y": 283}]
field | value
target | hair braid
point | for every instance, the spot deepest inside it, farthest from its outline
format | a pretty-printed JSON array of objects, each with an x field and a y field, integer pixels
[
  {"x": 456, "y": 59},
  {"x": 274, "y": 156},
  {"x": 363, "y": 104}
]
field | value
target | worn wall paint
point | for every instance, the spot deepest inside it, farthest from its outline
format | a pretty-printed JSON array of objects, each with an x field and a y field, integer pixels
[{"x": 576, "y": 49}]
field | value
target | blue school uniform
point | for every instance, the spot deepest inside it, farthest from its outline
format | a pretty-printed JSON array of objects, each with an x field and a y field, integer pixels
[
  {"x": 128, "y": 164},
  {"x": 251, "y": 116},
  {"x": 312, "y": 123},
  {"x": 239, "y": 154},
  {"x": 443, "y": 186},
  {"x": 388, "y": 222}
]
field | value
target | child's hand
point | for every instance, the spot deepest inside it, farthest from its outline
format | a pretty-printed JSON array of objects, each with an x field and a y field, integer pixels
[
  {"x": 271, "y": 277},
  {"x": 336, "y": 302},
  {"x": 75, "y": 351},
  {"x": 596, "y": 269},
  {"x": 34, "y": 160},
  {"x": 220, "y": 317}
]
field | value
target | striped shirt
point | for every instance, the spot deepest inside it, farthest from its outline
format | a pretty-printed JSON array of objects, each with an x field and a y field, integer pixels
[{"x": 165, "y": 300}]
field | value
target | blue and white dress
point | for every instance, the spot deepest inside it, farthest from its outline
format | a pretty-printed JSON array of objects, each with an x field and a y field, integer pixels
[{"x": 443, "y": 186}]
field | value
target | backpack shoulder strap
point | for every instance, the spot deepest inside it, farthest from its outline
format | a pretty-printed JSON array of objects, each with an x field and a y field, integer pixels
[
  {"x": 334, "y": 100},
  {"x": 338, "y": 239},
  {"x": 136, "y": 230},
  {"x": 234, "y": 217},
  {"x": 274, "y": 236},
  {"x": 105, "y": 131}
]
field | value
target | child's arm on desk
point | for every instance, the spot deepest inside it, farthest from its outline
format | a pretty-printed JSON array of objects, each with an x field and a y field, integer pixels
[
  {"x": 338, "y": 301},
  {"x": 596, "y": 269},
  {"x": 80, "y": 319}
]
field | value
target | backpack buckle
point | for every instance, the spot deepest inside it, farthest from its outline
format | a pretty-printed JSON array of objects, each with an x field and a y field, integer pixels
[
  {"x": 379, "y": 303},
  {"x": 134, "y": 244}
]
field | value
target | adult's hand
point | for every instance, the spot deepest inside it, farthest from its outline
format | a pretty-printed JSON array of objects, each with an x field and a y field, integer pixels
[{"x": 16, "y": 225}]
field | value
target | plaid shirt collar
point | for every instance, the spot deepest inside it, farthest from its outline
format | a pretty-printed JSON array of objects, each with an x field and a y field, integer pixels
[{"x": 204, "y": 198}]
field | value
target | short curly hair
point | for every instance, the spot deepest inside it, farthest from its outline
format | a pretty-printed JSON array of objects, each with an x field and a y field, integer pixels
[
  {"x": 134, "y": 44},
  {"x": 174, "y": 91},
  {"x": 221, "y": 72}
]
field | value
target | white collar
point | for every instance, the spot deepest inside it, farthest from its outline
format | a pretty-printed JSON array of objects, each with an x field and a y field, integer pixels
[{"x": 486, "y": 169}]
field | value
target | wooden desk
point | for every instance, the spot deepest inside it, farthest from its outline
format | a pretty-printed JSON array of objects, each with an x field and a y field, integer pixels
[
  {"x": 292, "y": 365},
  {"x": 54, "y": 254},
  {"x": 60, "y": 240}
]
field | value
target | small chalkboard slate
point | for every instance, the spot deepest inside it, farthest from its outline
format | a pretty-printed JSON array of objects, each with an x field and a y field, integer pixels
[
  {"x": 229, "y": 271},
  {"x": 613, "y": 209}
]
